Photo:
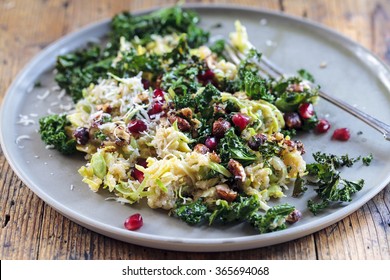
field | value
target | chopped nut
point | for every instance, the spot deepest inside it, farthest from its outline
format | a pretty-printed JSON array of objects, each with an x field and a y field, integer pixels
[
  {"x": 186, "y": 112},
  {"x": 106, "y": 108},
  {"x": 225, "y": 192},
  {"x": 237, "y": 170},
  {"x": 182, "y": 124},
  {"x": 202, "y": 149},
  {"x": 294, "y": 216},
  {"x": 220, "y": 127},
  {"x": 214, "y": 157}
]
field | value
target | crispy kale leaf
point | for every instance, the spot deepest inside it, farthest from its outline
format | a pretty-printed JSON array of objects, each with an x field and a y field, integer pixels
[
  {"x": 240, "y": 210},
  {"x": 330, "y": 186},
  {"x": 162, "y": 22},
  {"x": 192, "y": 213},
  {"x": 306, "y": 75},
  {"x": 273, "y": 220},
  {"x": 232, "y": 147},
  {"x": 243, "y": 209},
  {"x": 76, "y": 71},
  {"x": 52, "y": 130}
]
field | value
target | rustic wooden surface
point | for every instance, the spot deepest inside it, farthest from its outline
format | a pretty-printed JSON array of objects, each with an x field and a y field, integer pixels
[{"x": 30, "y": 229}]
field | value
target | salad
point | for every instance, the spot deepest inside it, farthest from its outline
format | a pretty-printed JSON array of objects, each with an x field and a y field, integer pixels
[{"x": 162, "y": 115}]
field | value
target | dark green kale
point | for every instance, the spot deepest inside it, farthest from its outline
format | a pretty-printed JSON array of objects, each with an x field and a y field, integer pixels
[
  {"x": 269, "y": 149},
  {"x": 336, "y": 161},
  {"x": 182, "y": 75},
  {"x": 367, "y": 160},
  {"x": 240, "y": 210},
  {"x": 162, "y": 22},
  {"x": 273, "y": 220},
  {"x": 192, "y": 213},
  {"x": 249, "y": 79},
  {"x": 243, "y": 209},
  {"x": 218, "y": 47},
  {"x": 77, "y": 70},
  {"x": 306, "y": 75},
  {"x": 317, "y": 208},
  {"x": 330, "y": 187},
  {"x": 232, "y": 147},
  {"x": 255, "y": 87},
  {"x": 131, "y": 64},
  {"x": 299, "y": 186},
  {"x": 310, "y": 123},
  {"x": 52, "y": 130},
  {"x": 204, "y": 101},
  {"x": 290, "y": 93}
]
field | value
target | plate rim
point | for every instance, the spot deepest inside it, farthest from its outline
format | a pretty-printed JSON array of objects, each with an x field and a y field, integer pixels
[{"x": 189, "y": 244}]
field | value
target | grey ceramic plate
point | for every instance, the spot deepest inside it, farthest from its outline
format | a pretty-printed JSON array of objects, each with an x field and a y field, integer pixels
[{"x": 352, "y": 74}]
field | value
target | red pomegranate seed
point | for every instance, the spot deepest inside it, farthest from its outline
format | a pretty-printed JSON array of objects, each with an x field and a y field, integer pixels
[
  {"x": 158, "y": 92},
  {"x": 206, "y": 77},
  {"x": 306, "y": 110},
  {"x": 211, "y": 143},
  {"x": 134, "y": 222},
  {"x": 138, "y": 174},
  {"x": 156, "y": 108},
  {"x": 322, "y": 126},
  {"x": 136, "y": 126},
  {"x": 142, "y": 162},
  {"x": 341, "y": 134},
  {"x": 241, "y": 121}
]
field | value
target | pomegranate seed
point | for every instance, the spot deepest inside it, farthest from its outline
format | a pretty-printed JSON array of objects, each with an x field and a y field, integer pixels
[
  {"x": 157, "y": 107},
  {"x": 206, "y": 77},
  {"x": 322, "y": 126},
  {"x": 306, "y": 110},
  {"x": 341, "y": 134},
  {"x": 134, "y": 222},
  {"x": 211, "y": 143},
  {"x": 158, "y": 92},
  {"x": 241, "y": 121},
  {"x": 136, "y": 126},
  {"x": 142, "y": 162},
  {"x": 138, "y": 174},
  {"x": 82, "y": 135}
]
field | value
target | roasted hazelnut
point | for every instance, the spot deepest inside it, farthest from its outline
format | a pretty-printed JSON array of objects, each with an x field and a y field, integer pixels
[
  {"x": 220, "y": 127},
  {"x": 202, "y": 149},
  {"x": 182, "y": 124}
]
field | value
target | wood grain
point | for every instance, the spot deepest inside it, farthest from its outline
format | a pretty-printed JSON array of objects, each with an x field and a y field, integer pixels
[{"x": 30, "y": 229}]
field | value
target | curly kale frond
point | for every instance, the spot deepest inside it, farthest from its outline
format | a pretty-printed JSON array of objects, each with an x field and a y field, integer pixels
[
  {"x": 52, "y": 130},
  {"x": 232, "y": 147},
  {"x": 243, "y": 209},
  {"x": 163, "y": 22},
  {"x": 240, "y": 210},
  {"x": 77, "y": 70},
  {"x": 273, "y": 220},
  {"x": 330, "y": 186},
  {"x": 192, "y": 213}
]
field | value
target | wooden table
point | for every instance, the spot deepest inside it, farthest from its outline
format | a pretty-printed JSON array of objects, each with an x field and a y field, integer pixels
[{"x": 30, "y": 229}]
